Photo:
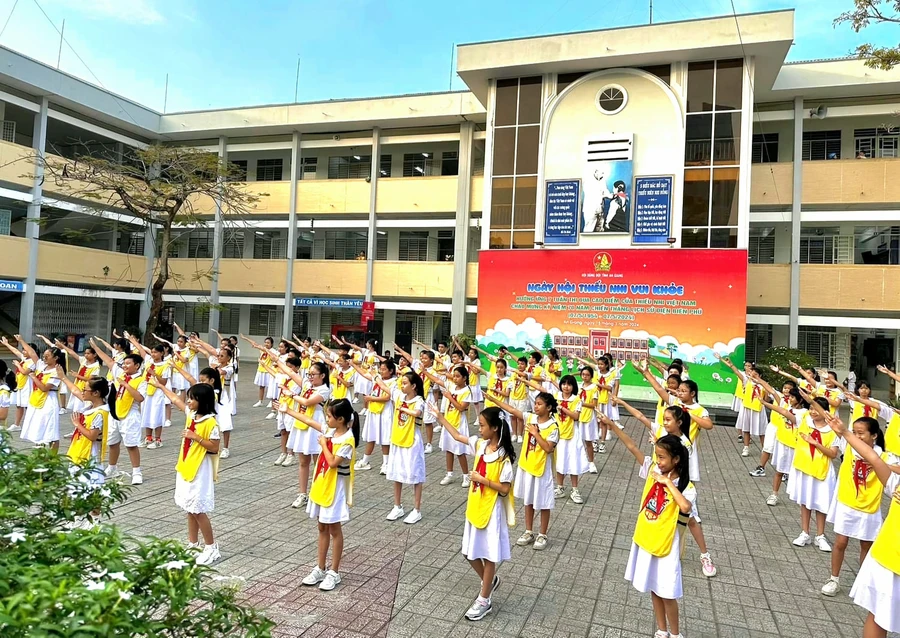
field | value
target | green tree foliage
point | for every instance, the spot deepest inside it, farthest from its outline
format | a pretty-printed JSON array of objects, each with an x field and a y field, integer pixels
[
  {"x": 548, "y": 342},
  {"x": 864, "y": 13},
  {"x": 781, "y": 357}
]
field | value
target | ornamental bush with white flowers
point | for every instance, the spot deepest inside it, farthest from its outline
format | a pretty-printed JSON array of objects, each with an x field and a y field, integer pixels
[{"x": 96, "y": 582}]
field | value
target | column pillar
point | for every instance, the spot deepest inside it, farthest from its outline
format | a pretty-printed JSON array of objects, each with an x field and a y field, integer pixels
[
  {"x": 746, "y": 149},
  {"x": 488, "y": 167},
  {"x": 217, "y": 248},
  {"x": 149, "y": 269},
  {"x": 389, "y": 333},
  {"x": 32, "y": 222},
  {"x": 288, "y": 319},
  {"x": 373, "y": 198},
  {"x": 461, "y": 232},
  {"x": 796, "y": 200}
]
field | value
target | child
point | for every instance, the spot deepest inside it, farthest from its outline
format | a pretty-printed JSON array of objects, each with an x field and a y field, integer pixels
[
  {"x": 153, "y": 412},
  {"x": 877, "y": 586},
  {"x": 261, "y": 380},
  {"x": 785, "y": 440},
  {"x": 454, "y": 407},
  {"x": 379, "y": 415},
  {"x": 302, "y": 440},
  {"x": 812, "y": 477},
  {"x": 89, "y": 366},
  {"x": 588, "y": 396},
  {"x": 41, "y": 425},
  {"x": 654, "y": 563},
  {"x": 606, "y": 383},
  {"x": 406, "y": 465},
  {"x": 7, "y": 387},
  {"x": 22, "y": 393},
  {"x": 475, "y": 380},
  {"x": 752, "y": 419},
  {"x": 776, "y": 422},
  {"x": 125, "y": 409},
  {"x": 534, "y": 475},
  {"x": 426, "y": 363},
  {"x": 855, "y": 509},
  {"x": 571, "y": 457},
  {"x": 197, "y": 469},
  {"x": 489, "y": 508},
  {"x": 331, "y": 495}
]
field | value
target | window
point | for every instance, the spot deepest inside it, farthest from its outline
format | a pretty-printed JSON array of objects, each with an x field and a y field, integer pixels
[
  {"x": 817, "y": 245},
  {"x": 821, "y": 145},
  {"x": 233, "y": 244},
  {"x": 300, "y": 325},
  {"x": 200, "y": 244},
  {"x": 268, "y": 245},
  {"x": 356, "y": 166},
  {"x": 517, "y": 131},
  {"x": 877, "y": 142},
  {"x": 131, "y": 242},
  {"x": 230, "y": 320},
  {"x": 877, "y": 245},
  {"x": 757, "y": 340},
  {"x": 418, "y": 164},
  {"x": 196, "y": 317},
  {"x": 446, "y": 245},
  {"x": 761, "y": 249},
  {"x": 611, "y": 99},
  {"x": 269, "y": 170},
  {"x": 820, "y": 343},
  {"x": 240, "y": 169},
  {"x": 712, "y": 154},
  {"x": 413, "y": 246},
  {"x": 450, "y": 163},
  {"x": 339, "y": 244},
  {"x": 765, "y": 148},
  {"x": 265, "y": 320},
  {"x": 308, "y": 167}
]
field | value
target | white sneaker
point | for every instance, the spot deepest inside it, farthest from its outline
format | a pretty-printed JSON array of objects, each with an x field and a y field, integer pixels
[
  {"x": 438, "y": 428},
  {"x": 62, "y": 410},
  {"x": 520, "y": 439},
  {"x": 540, "y": 543},
  {"x": 288, "y": 461},
  {"x": 822, "y": 544},
  {"x": 270, "y": 415},
  {"x": 559, "y": 492},
  {"x": 601, "y": 448},
  {"x": 745, "y": 451},
  {"x": 269, "y": 404},
  {"x": 414, "y": 517},
  {"x": 383, "y": 470},
  {"x": 396, "y": 513},
  {"x": 332, "y": 579},
  {"x": 428, "y": 448},
  {"x": 315, "y": 577},
  {"x": 478, "y": 610},
  {"x": 802, "y": 540},
  {"x": 137, "y": 478},
  {"x": 15, "y": 427},
  {"x": 167, "y": 424},
  {"x": 608, "y": 436},
  {"x": 225, "y": 453},
  {"x": 300, "y": 501},
  {"x": 772, "y": 500},
  {"x": 209, "y": 555},
  {"x": 831, "y": 588},
  {"x": 466, "y": 482},
  {"x": 362, "y": 466},
  {"x": 448, "y": 479},
  {"x": 281, "y": 458},
  {"x": 575, "y": 495},
  {"x": 154, "y": 445},
  {"x": 145, "y": 443},
  {"x": 527, "y": 538},
  {"x": 620, "y": 426},
  {"x": 111, "y": 471},
  {"x": 592, "y": 469},
  {"x": 258, "y": 404}
]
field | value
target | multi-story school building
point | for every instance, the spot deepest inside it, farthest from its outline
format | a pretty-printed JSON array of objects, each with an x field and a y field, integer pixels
[{"x": 391, "y": 199}]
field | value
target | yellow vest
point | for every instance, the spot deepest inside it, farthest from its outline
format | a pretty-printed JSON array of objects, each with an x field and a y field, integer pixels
[
  {"x": 567, "y": 423},
  {"x": 519, "y": 390},
  {"x": 339, "y": 391},
  {"x": 553, "y": 369},
  {"x": 587, "y": 395},
  {"x": 787, "y": 430},
  {"x": 151, "y": 370},
  {"x": 828, "y": 393},
  {"x": 892, "y": 435},
  {"x": 39, "y": 397},
  {"x": 658, "y": 519},
  {"x": 481, "y": 501},
  {"x": 87, "y": 370},
  {"x": 807, "y": 458},
  {"x": 403, "y": 433},
  {"x": 660, "y": 411},
  {"x": 496, "y": 385},
  {"x": 124, "y": 400},
  {"x": 305, "y": 363},
  {"x": 607, "y": 378},
  {"x": 533, "y": 458},
  {"x": 263, "y": 359},
  {"x": 858, "y": 486},
  {"x": 886, "y": 550},
  {"x": 860, "y": 410},
  {"x": 309, "y": 410},
  {"x": 752, "y": 399},
  {"x": 739, "y": 389},
  {"x": 453, "y": 415},
  {"x": 191, "y": 454},
  {"x": 377, "y": 407},
  {"x": 80, "y": 448},
  {"x": 22, "y": 379},
  {"x": 324, "y": 485}
]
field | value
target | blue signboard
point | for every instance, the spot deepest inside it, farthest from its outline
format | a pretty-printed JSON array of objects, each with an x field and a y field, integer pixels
[
  {"x": 561, "y": 220},
  {"x": 652, "y": 210},
  {"x": 323, "y": 302},
  {"x": 11, "y": 286}
]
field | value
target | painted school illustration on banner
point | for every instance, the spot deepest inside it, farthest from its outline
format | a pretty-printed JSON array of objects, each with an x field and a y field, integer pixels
[{"x": 626, "y": 303}]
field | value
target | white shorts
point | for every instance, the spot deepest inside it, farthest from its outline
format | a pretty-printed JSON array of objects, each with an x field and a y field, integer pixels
[{"x": 127, "y": 431}]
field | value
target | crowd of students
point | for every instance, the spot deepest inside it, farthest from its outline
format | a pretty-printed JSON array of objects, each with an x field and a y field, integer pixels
[{"x": 536, "y": 427}]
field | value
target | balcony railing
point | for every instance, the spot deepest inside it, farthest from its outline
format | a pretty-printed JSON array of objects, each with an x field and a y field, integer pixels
[{"x": 850, "y": 182}]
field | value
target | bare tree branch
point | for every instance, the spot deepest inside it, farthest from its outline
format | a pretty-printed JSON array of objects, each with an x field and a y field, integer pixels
[{"x": 864, "y": 13}]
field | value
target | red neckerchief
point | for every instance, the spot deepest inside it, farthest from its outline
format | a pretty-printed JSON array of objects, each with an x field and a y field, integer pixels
[
  {"x": 757, "y": 392},
  {"x": 121, "y": 391},
  {"x": 309, "y": 392},
  {"x": 817, "y": 437},
  {"x": 583, "y": 394},
  {"x": 480, "y": 468},
  {"x": 186, "y": 446},
  {"x": 151, "y": 369},
  {"x": 868, "y": 410},
  {"x": 82, "y": 370},
  {"x": 77, "y": 434},
  {"x": 860, "y": 474},
  {"x": 322, "y": 463}
]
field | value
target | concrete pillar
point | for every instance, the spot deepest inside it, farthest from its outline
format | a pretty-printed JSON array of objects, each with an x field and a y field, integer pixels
[
  {"x": 244, "y": 319},
  {"x": 150, "y": 257},
  {"x": 461, "y": 233},
  {"x": 315, "y": 324},
  {"x": 373, "y": 198},
  {"x": 296, "y": 168},
  {"x": 746, "y": 141},
  {"x": 488, "y": 166},
  {"x": 249, "y": 241},
  {"x": 218, "y": 231},
  {"x": 32, "y": 223},
  {"x": 389, "y": 333},
  {"x": 393, "y": 244},
  {"x": 794, "y": 308}
]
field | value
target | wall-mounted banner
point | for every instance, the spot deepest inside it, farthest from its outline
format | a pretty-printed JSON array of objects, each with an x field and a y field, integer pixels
[
  {"x": 607, "y": 202},
  {"x": 652, "y": 209},
  {"x": 628, "y": 303},
  {"x": 324, "y": 302},
  {"x": 561, "y": 224},
  {"x": 11, "y": 286}
]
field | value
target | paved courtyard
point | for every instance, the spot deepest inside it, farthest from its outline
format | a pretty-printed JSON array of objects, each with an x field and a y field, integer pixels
[{"x": 402, "y": 580}]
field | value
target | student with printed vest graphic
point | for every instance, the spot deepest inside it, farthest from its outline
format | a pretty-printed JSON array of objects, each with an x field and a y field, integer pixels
[
  {"x": 41, "y": 423},
  {"x": 379, "y": 414},
  {"x": 787, "y": 415},
  {"x": 489, "y": 507},
  {"x": 654, "y": 562}
]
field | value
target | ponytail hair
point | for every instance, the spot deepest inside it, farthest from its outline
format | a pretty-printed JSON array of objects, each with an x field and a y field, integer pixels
[
  {"x": 549, "y": 400},
  {"x": 693, "y": 388},
  {"x": 100, "y": 386},
  {"x": 874, "y": 429},
  {"x": 321, "y": 368},
  {"x": 213, "y": 375},
  {"x": 8, "y": 376},
  {"x": 675, "y": 448},
  {"x": 343, "y": 410},
  {"x": 801, "y": 402},
  {"x": 494, "y": 421},
  {"x": 416, "y": 381},
  {"x": 682, "y": 417}
]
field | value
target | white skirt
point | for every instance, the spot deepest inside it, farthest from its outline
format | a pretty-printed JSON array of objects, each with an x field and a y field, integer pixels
[
  {"x": 271, "y": 388},
  {"x": 589, "y": 429},
  {"x": 284, "y": 421},
  {"x": 782, "y": 457},
  {"x": 812, "y": 494},
  {"x": 752, "y": 421},
  {"x": 477, "y": 393},
  {"x": 179, "y": 382},
  {"x": 492, "y": 542},
  {"x": 571, "y": 457},
  {"x": 611, "y": 410},
  {"x": 449, "y": 444},
  {"x": 197, "y": 496},
  {"x": 153, "y": 410},
  {"x": 304, "y": 441},
  {"x": 736, "y": 404},
  {"x": 223, "y": 417},
  {"x": 377, "y": 428},
  {"x": 338, "y": 511},
  {"x": 407, "y": 464},
  {"x": 853, "y": 523},
  {"x": 362, "y": 386},
  {"x": 22, "y": 396},
  {"x": 261, "y": 379},
  {"x": 536, "y": 491},
  {"x": 74, "y": 404},
  {"x": 659, "y": 574},
  {"x": 877, "y": 589},
  {"x": 771, "y": 435},
  {"x": 41, "y": 425}
]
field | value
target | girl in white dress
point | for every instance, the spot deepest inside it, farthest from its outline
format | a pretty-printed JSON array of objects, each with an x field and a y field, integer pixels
[
  {"x": 261, "y": 380},
  {"x": 22, "y": 393},
  {"x": 535, "y": 474},
  {"x": 654, "y": 562},
  {"x": 379, "y": 415},
  {"x": 7, "y": 387},
  {"x": 786, "y": 416},
  {"x": 571, "y": 457},
  {"x": 456, "y": 396},
  {"x": 812, "y": 478},
  {"x": 331, "y": 495},
  {"x": 197, "y": 469},
  {"x": 589, "y": 396},
  {"x": 475, "y": 380},
  {"x": 752, "y": 418},
  {"x": 41, "y": 425},
  {"x": 288, "y": 389},
  {"x": 153, "y": 411},
  {"x": 89, "y": 366},
  {"x": 489, "y": 508},
  {"x": 406, "y": 465}
]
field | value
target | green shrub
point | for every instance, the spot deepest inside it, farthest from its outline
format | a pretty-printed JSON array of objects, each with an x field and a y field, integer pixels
[
  {"x": 782, "y": 357},
  {"x": 98, "y": 582}
]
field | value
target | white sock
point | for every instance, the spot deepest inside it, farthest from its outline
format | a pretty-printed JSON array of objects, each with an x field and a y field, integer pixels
[
  {"x": 384, "y": 459},
  {"x": 136, "y": 470},
  {"x": 449, "y": 473},
  {"x": 112, "y": 468},
  {"x": 836, "y": 579},
  {"x": 482, "y": 599},
  {"x": 365, "y": 458}
]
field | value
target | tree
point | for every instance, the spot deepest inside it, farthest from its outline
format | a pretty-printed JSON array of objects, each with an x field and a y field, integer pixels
[
  {"x": 162, "y": 186},
  {"x": 864, "y": 13},
  {"x": 85, "y": 583},
  {"x": 548, "y": 342},
  {"x": 782, "y": 356}
]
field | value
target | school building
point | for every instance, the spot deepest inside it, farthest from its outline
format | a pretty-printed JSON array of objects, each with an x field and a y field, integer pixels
[{"x": 391, "y": 199}]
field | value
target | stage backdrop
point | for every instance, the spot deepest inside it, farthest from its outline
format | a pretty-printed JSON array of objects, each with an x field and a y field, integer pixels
[{"x": 630, "y": 303}]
